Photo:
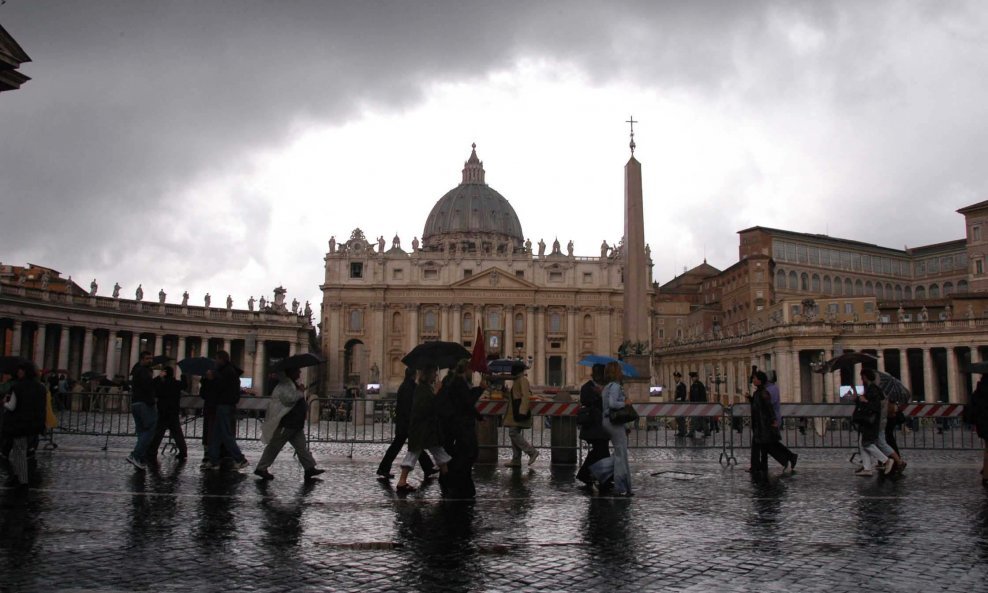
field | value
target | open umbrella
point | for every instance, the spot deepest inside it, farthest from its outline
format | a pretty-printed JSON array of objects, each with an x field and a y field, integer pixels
[
  {"x": 591, "y": 359},
  {"x": 92, "y": 376},
  {"x": 443, "y": 355},
  {"x": 846, "y": 360},
  {"x": 197, "y": 365},
  {"x": 478, "y": 360},
  {"x": 9, "y": 364},
  {"x": 299, "y": 361},
  {"x": 502, "y": 366},
  {"x": 893, "y": 389},
  {"x": 161, "y": 359}
]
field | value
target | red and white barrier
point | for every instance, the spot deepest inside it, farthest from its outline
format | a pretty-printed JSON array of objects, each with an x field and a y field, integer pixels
[{"x": 933, "y": 410}]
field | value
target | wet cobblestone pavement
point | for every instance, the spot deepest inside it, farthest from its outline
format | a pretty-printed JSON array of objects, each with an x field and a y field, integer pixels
[{"x": 92, "y": 523}]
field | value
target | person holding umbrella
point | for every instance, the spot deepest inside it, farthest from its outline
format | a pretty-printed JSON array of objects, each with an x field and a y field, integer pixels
[
  {"x": 227, "y": 395},
  {"x": 403, "y": 412},
  {"x": 978, "y": 415},
  {"x": 423, "y": 429},
  {"x": 593, "y": 430},
  {"x": 285, "y": 423},
  {"x": 460, "y": 431},
  {"x": 168, "y": 391}
]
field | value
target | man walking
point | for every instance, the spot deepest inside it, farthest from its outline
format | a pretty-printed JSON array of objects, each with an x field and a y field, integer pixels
[
  {"x": 680, "y": 396},
  {"x": 227, "y": 384},
  {"x": 403, "y": 412},
  {"x": 143, "y": 409},
  {"x": 285, "y": 423},
  {"x": 698, "y": 395},
  {"x": 593, "y": 431}
]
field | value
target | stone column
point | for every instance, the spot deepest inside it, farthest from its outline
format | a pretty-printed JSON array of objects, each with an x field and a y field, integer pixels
[
  {"x": 881, "y": 360},
  {"x": 292, "y": 348},
  {"x": 796, "y": 389},
  {"x": 928, "y": 375},
  {"x": 508, "y": 348},
  {"x": 39, "y": 346},
  {"x": 334, "y": 352},
  {"x": 444, "y": 322},
  {"x": 904, "y": 369},
  {"x": 413, "y": 326},
  {"x": 15, "y": 339},
  {"x": 953, "y": 377},
  {"x": 530, "y": 334},
  {"x": 604, "y": 331},
  {"x": 63, "y": 349},
  {"x": 87, "y": 351},
  {"x": 571, "y": 339},
  {"x": 540, "y": 355},
  {"x": 456, "y": 318},
  {"x": 259, "y": 357},
  {"x": 135, "y": 348},
  {"x": 180, "y": 355},
  {"x": 159, "y": 345},
  {"x": 112, "y": 354}
]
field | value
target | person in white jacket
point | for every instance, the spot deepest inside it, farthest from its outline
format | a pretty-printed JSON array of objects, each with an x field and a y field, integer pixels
[{"x": 285, "y": 423}]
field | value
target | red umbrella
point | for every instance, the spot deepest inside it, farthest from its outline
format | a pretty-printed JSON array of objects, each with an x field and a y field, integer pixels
[{"x": 478, "y": 360}]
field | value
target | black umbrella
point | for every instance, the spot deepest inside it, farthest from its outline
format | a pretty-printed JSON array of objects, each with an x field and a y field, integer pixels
[
  {"x": 845, "y": 360},
  {"x": 299, "y": 361},
  {"x": 440, "y": 354},
  {"x": 161, "y": 359},
  {"x": 9, "y": 364},
  {"x": 197, "y": 365},
  {"x": 92, "y": 376},
  {"x": 978, "y": 367},
  {"x": 893, "y": 388},
  {"x": 502, "y": 366}
]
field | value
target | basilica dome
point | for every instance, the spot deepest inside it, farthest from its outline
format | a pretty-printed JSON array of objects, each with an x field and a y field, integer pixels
[{"x": 473, "y": 215}]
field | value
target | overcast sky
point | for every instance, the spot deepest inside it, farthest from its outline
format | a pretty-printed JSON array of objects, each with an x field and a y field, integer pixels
[{"x": 216, "y": 146}]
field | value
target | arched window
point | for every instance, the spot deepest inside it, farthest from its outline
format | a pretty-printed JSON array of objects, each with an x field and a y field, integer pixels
[
  {"x": 888, "y": 290},
  {"x": 468, "y": 323},
  {"x": 828, "y": 286},
  {"x": 780, "y": 280},
  {"x": 962, "y": 286},
  {"x": 920, "y": 292},
  {"x": 430, "y": 322},
  {"x": 555, "y": 322},
  {"x": 838, "y": 286},
  {"x": 848, "y": 287},
  {"x": 804, "y": 281},
  {"x": 396, "y": 322},
  {"x": 879, "y": 291},
  {"x": 816, "y": 283},
  {"x": 519, "y": 323},
  {"x": 898, "y": 292},
  {"x": 948, "y": 288},
  {"x": 587, "y": 324},
  {"x": 869, "y": 289},
  {"x": 858, "y": 287},
  {"x": 908, "y": 293},
  {"x": 793, "y": 281},
  {"x": 934, "y": 291}
]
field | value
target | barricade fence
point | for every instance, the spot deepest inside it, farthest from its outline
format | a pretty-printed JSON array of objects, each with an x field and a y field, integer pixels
[{"x": 677, "y": 425}]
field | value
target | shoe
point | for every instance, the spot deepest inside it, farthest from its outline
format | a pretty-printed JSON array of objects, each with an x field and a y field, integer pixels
[
  {"x": 606, "y": 486},
  {"x": 386, "y": 476},
  {"x": 887, "y": 467},
  {"x": 902, "y": 466},
  {"x": 430, "y": 473},
  {"x": 792, "y": 461},
  {"x": 313, "y": 472},
  {"x": 864, "y": 473},
  {"x": 533, "y": 456},
  {"x": 513, "y": 463},
  {"x": 209, "y": 466},
  {"x": 138, "y": 464},
  {"x": 405, "y": 488},
  {"x": 264, "y": 474},
  {"x": 241, "y": 464}
]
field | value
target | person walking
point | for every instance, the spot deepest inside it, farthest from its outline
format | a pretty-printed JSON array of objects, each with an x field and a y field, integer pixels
[
  {"x": 979, "y": 417},
  {"x": 884, "y": 420},
  {"x": 592, "y": 431},
  {"x": 423, "y": 430},
  {"x": 403, "y": 412},
  {"x": 284, "y": 422},
  {"x": 168, "y": 393},
  {"x": 518, "y": 416},
  {"x": 614, "y": 399},
  {"x": 227, "y": 395},
  {"x": 764, "y": 426},
  {"x": 23, "y": 419},
  {"x": 866, "y": 415},
  {"x": 698, "y": 394},
  {"x": 460, "y": 431},
  {"x": 680, "y": 396},
  {"x": 779, "y": 452},
  {"x": 142, "y": 406}
]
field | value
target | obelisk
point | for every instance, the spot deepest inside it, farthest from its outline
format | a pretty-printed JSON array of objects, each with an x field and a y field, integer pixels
[{"x": 635, "y": 327}]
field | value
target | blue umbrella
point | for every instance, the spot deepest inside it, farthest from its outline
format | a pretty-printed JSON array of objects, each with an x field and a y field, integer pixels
[{"x": 591, "y": 359}]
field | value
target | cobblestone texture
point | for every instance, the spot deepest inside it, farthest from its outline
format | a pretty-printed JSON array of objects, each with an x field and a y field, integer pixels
[{"x": 91, "y": 523}]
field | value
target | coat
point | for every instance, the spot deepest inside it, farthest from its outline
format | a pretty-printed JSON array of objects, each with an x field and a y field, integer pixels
[
  {"x": 698, "y": 393},
  {"x": 423, "y": 425},
  {"x": 591, "y": 400},
  {"x": 873, "y": 405},
  {"x": 979, "y": 408},
  {"x": 28, "y": 416},
  {"x": 521, "y": 391},
  {"x": 680, "y": 392},
  {"x": 403, "y": 405},
  {"x": 141, "y": 384},
  {"x": 762, "y": 418},
  {"x": 283, "y": 399},
  {"x": 168, "y": 392},
  {"x": 228, "y": 385}
]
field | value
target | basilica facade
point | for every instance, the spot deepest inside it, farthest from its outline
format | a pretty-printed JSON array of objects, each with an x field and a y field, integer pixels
[{"x": 473, "y": 268}]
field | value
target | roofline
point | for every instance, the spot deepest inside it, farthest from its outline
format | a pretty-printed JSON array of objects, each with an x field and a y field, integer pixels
[
  {"x": 973, "y": 207},
  {"x": 818, "y": 237}
]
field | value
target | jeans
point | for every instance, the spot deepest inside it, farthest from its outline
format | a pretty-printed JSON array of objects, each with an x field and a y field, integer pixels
[
  {"x": 223, "y": 435},
  {"x": 622, "y": 471},
  {"x": 293, "y": 436},
  {"x": 518, "y": 444},
  {"x": 145, "y": 421}
]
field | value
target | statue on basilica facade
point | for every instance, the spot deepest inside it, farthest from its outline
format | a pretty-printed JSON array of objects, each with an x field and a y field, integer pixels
[
  {"x": 569, "y": 248},
  {"x": 924, "y": 315},
  {"x": 380, "y": 244},
  {"x": 415, "y": 243},
  {"x": 262, "y": 303},
  {"x": 970, "y": 311},
  {"x": 229, "y": 302},
  {"x": 528, "y": 245},
  {"x": 185, "y": 298},
  {"x": 541, "y": 248},
  {"x": 648, "y": 252},
  {"x": 207, "y": 300},
  {"x": 161, "y": 296},
  {"x": 308, "y": 310},
  {"x": 116, "y": 290},
  {"x": 332, "y": 244},
  {"x": 250, "y": 303},
  {"x": 900, "y": 314},
  {"x": 604, "y": 248},
  {"x": 295, "y": 303},
  {"x": 555, "y": 247},
  {"x": 947, "y": 313},
  {"x": 45, "y": 278},
  {"x": 92, "y": 287},
  {"x": 139, "y": 293}
]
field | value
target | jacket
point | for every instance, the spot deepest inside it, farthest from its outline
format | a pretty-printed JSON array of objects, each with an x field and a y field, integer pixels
[
  {"x": 592, "y": 400},
  {"x": 283, "y": 398},
  {"x": 680, "y": 392},
  {"x": 613, "y": 398},
  {"x": 168, "y": 392},
  {"x": 521, "y": 392},
  {"x": 28, "y": 416},
  {"x": 698, "y": 393},
  {"x": 423, "y": 426},
  {"x": 763, "y": 417},
  {"x": 462, "y": 400},
  {"x": 141, "y": 385},
  {"x": 403, "y": 405},
  {"x": 873, "y": 405},
  {"x": 979, "y": 408},
  {"x": 227, "y": 385}
]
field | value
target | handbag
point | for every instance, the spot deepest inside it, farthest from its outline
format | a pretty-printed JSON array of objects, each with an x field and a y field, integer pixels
[
  {"x": 515, "y": 407},
  {"x": 863, "y": 417},
  {"x": 584, "y": 418},
  {"x": 622, "y": 415}
]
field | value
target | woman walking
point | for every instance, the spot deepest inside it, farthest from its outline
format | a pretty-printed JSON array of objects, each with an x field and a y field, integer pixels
[
  {"x": 764, "y": 426},
  {"x": 867, "y": 414},
  {"x": 24, "y": 418},
  {"x": 423, "y": 430},
  {"x": 614, "y": 399}
]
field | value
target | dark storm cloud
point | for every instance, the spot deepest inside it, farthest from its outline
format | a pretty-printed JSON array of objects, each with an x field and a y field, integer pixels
[{"x": 132, "y": 102}]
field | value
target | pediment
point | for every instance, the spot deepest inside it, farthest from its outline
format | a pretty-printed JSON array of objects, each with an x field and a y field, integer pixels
[{"x": 494, "y": 278}]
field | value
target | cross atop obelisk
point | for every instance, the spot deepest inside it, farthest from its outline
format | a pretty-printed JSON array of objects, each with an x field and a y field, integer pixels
[{"x": 631, "y": 120}]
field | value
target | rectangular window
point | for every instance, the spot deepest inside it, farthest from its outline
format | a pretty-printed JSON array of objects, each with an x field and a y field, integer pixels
[
  {"x": 397, "y": 274},
  {"x": 778, "y": 250},
  {"x": 833, "y": 308},
  {"x": 795, "y": 309},
  {"x": 932, "y": 266},
  {"x": 588, "y": 277},
  {"x": 845, "y": 260},
  {"x": 519, "y": 345},
  {"x": 976, "y": 233},
  {"x": 920, "y": 268},
  {"x": 866, "y": 263},
  {"x": 946, "y": 263},
  {"x": 791, "y": 252},
  {"x": 869, "y": 307},
  {"x": 849, "y": 308},
  {"x": 467, "y": 273},
  {"x": 856, "y": 262},
  {"x": 519, "y": 273},
  {"x": 979, "y": 266},
  {"x": 815, "y": 255},
  {"x": 430, "y": 274},
  {"x": 555, "y": 276},
  {"x": 356, "y": 270},
  {"x": 886, "y": 265},
  {"x": 801, "y": 253}
]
